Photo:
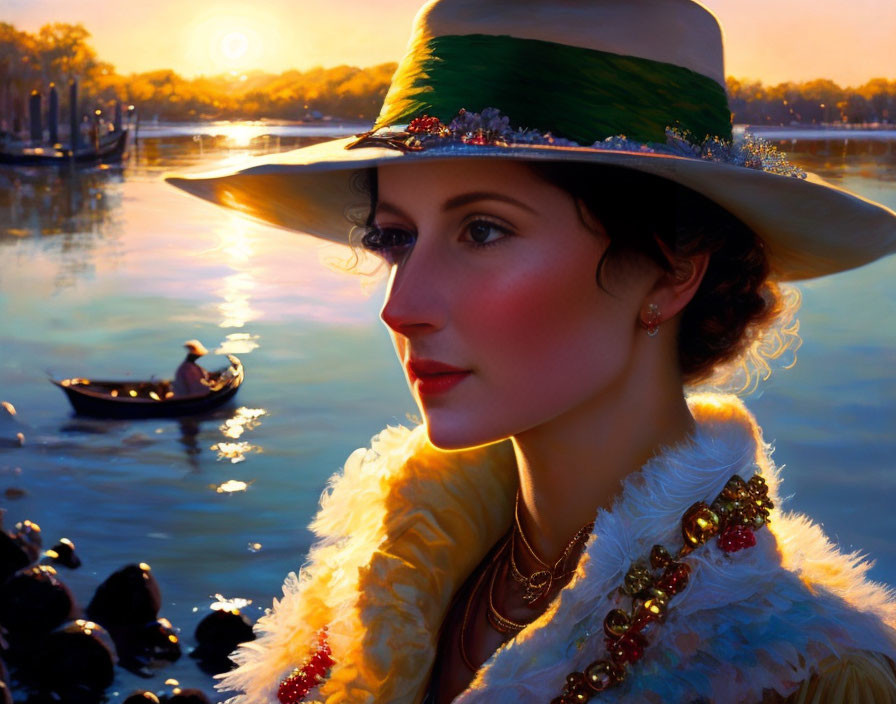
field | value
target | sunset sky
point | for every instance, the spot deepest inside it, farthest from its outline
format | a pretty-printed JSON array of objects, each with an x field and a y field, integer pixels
[{"x": 848, "y": 41}]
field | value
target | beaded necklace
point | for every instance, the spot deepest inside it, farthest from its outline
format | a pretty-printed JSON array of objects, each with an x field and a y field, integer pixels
[
  {"x": 741, "y": 508},
  {"x": 731, "y": 518}
]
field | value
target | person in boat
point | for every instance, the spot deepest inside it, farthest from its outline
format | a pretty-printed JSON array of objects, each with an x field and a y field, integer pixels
[
  {"x": 570, "y": 262},
  {"x": 191, "y": 379}
]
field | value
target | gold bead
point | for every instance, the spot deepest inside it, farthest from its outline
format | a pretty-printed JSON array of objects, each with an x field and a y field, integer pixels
[
  {"x": 658, "y": 594},
  {"x": 700, "y": 523},
  {"x": 656, "y": 608},
  {"x": 616, "y": 623},
  {"x": 636, "y": 580},
  {"x": 736, "y": 489},
  {"x": 757, "y": 486},
  {"x": 602, "y": 675}
]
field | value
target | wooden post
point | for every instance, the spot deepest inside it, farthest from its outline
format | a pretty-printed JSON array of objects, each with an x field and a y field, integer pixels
[
  {"x": 74, "y": 123},
  {"x": 53, "y": 114},
  {"x": 37, "y": 130}
]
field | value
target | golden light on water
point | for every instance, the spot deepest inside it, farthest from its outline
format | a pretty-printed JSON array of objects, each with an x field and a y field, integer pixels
[
  {"x": 236, "y": 453},
  {"x": 244, "y": 419},
  {"x": 235, "y": 308},
  {"x": 236, "y": 290},
  {"x": 222, "y": 603},
  {"x": 240, "y": 135},
  {"x": 231, "y": 486},
  {"x": 238, "y": 343}
]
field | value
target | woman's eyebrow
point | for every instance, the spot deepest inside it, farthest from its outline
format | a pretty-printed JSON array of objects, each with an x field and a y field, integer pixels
[
  {"x": 475, "y": 196},
  {"x": 458, "y": 202},
  {"x": 388, "y": 207}
]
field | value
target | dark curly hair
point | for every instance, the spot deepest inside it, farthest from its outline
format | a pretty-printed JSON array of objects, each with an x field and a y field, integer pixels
[{"x": 638, "y": 210}]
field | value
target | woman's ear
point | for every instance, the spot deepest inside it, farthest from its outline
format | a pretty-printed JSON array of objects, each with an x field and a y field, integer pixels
[{"x": 675, "y": 288}]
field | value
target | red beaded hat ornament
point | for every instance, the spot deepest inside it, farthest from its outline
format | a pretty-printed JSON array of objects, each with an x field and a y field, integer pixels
[
  {"x": 296, "y": 686},
  {"x": 741, "y": 508}
]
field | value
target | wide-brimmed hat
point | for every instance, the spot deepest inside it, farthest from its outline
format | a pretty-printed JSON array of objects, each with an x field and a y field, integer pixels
[
  {"x": 196, "y": 347},
  {"x": 629, "y": 83}
]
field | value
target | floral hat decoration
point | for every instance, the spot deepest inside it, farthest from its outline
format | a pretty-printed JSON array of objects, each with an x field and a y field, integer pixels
[{"x": 638, "y": 84}]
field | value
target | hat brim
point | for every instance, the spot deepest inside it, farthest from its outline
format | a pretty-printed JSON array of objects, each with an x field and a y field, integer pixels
[{"x": 811, "y": 227}]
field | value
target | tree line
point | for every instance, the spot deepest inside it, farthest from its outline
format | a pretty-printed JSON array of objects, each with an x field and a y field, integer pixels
[{"x": 59, "y": 52}]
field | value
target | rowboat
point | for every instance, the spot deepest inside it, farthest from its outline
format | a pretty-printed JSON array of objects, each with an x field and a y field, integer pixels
[
  {"x": 110, "y": 149},
  {"x": 150, "y": 399}
]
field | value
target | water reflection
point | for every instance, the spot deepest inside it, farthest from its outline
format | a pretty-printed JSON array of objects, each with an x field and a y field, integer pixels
[
  {"x": 244, "y": 419},
  {"x": 54, "y": 201},
  {"x": 238, "y": 343},
  {"x": 156, "y": 154},
  {"x": 189, "y": 430},
  {"x": 235, "y": 309},
  {"x": 874, "y": 159}
]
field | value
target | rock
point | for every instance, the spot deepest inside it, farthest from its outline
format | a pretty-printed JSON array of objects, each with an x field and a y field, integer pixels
[
  {"x": 141, "y": 697},
  {"x": 33, "y": 602},
  {"x": 76, "y": 661},
  {"x": 147, "y": 648},
  {"x": 63, "y": 553},
  {"x": 27, "y": 534},
  {"x": 129, "y": 597},
  {"x": 187, "y": 696},
  {"x": 5, "y": 694},
  {"x": 217, "y": 636},
  {"x": 13, "y": 556}
]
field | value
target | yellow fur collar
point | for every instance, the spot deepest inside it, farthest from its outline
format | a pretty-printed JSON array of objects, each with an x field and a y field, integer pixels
[{"x": 405, "y": 523}]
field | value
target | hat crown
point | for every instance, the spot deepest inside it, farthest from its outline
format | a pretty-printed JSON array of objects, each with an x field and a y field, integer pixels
[
  {"x": 583, "y": 70},
  {"x": 678, "y": 32}
]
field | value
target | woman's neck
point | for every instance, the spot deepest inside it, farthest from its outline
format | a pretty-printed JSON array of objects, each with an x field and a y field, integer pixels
[{"x": 574, "y": 464}]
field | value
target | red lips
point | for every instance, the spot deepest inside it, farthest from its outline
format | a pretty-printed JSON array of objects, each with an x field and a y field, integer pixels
[{"x": 431, "y": 377}]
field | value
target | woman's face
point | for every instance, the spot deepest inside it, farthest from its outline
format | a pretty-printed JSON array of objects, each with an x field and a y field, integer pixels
[{"x": 493, "y": 303}]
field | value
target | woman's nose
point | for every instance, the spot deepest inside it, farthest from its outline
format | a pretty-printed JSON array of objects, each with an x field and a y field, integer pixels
[{"x": 413, "y": 303}]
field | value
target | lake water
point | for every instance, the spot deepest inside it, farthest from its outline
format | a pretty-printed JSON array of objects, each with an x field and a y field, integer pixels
[{"x": 106, "y": 272}]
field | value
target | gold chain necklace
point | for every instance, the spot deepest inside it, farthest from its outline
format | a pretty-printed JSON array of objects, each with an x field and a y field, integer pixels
[
  {"x": 539, "y": 583},
  {"x": 536, "y": 585}
]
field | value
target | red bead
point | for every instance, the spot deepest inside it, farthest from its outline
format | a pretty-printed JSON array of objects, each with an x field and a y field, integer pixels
[
  {"x": 736, "y": 538},
  {"x": 674, "y": 579},
  {"x": 477, "y": 139},
  {"x": 424, "y": 124},
  {"x": 295, "y": 688},
  {"x": 659, "y": 557},
  {"x": 628, "y": 648}
]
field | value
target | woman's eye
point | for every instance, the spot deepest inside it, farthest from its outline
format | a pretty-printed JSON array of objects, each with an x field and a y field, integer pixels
[
  {"x": 391, "y": 243},
  {"x": 484, "y": 232}
]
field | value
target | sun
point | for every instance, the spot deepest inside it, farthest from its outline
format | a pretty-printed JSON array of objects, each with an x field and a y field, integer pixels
[
  {"x": 230, "y": 37},
  {"x": 234, "y": 45}
]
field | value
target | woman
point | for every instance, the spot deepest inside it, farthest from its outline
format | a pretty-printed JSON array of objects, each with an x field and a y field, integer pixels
[{"x": 567, "y": 524}]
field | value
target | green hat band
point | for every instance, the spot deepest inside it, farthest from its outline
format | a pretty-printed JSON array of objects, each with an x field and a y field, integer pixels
[{"x": 580, "y": 94}]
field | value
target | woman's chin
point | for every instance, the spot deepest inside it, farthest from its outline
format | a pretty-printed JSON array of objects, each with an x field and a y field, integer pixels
[{"x": 458, "y": 436}]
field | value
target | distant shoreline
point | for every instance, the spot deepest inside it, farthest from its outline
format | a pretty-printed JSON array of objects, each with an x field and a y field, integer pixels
[
  {"x": 341, "y": 128},
  {"x": 820, "y": 132}
]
